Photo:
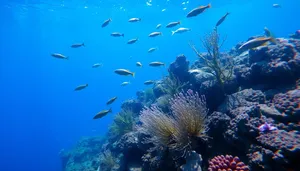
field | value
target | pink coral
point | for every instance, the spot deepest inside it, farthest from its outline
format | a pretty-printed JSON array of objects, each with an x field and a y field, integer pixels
[{"x": 227, "y": 163}]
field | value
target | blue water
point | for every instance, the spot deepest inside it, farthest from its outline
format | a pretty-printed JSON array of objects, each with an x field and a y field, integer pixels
[{"x": 40, "y": 112}]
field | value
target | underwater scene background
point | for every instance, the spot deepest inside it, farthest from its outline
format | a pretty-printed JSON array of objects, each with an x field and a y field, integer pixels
[{"x": 43, "y": 118}]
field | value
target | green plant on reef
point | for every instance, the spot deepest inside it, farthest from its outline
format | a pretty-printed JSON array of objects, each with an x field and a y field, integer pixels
[
  {"x": 108, "y": 161},
  {"x": 149, "y": 97},
  {"x": 212, "y": 43},
  {"x": 122, "y": 124},
  {"x": 173, "y": 85}
]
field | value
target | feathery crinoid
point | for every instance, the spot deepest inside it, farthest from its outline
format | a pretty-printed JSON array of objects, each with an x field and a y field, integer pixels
[{"x": 189, "y": 111}]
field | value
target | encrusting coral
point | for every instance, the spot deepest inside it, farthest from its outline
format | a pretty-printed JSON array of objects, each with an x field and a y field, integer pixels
[{"x": 227, "y": 163}]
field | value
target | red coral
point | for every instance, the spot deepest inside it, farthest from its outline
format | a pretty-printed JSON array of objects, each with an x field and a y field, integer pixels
[{"x": 227, "y": 163}]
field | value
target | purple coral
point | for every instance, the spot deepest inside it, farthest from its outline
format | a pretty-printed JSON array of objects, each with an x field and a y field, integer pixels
[
  {"x": 227, "y": 163},
  {"x": 266, "y": 127}
]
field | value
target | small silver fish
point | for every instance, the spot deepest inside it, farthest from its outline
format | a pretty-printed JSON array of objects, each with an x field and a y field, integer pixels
[
  {"x": 180, "y": 30},
  {"x": 152, "y": 50},
  {"x": 139, "y": 64},
  {"x": 124, "y": 72},
  {"x": 110, "y": 101},
  {"x": 158, "y": 26},
  {"x": 132, "y": 20},
  {"x": 106, "y": 22},
  {"x": 117, "y": 34},
  {"x": 222, "y": 19},
  {"x": 125, "y": 83},
  {"x": 102, "y": 114},
  {"x": 196, "y": 11},
  {"x": 149, "y": 82},
  {"x": 132, "y": 41},
  {"x": 154, "y": 34},
  {"x": 80, "y": 87},
  {"x": 77, "y": 45},
  {"x": 58, "y": 55},
  {"x": 156, "y": 63},
  {"x": 276, "y": 6},
  {"x": 173, "y": 24},
  {"x": 96, "y": 65}
]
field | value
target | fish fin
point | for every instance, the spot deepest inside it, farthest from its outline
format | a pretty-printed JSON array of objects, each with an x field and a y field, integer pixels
[
  {"x": 133, "y": 74},
  {"x": 208, "y": 6},
  {"x": 173, "y": 32}
]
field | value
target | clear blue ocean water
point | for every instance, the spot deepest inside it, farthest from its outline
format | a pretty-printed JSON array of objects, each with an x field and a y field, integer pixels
[{"x": 40, "y": 112}]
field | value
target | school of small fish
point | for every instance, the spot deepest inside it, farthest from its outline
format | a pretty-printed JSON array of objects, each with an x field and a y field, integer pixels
[{"x": 254, "y": 43}]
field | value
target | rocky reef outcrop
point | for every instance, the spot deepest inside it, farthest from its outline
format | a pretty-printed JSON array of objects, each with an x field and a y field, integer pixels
[
  {"x": 84, "y": 156},
  {"x": 254, "y": 115}
]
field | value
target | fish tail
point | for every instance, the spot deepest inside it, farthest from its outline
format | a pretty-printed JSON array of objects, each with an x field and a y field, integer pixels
[
  {"x": 133, "y": 74},
  {"x": 122, "y": 35},
  {"x": 173, "y": 32},
  {"x": 179, "y": 22},
  {"x": 161, "y": 33},
  {"x": 83, "y": 44},
  {"x": 273, "y": 40},
  {"x": 208, "y": 6},
  {"x": 110, "y": 110},
  {"x": 86, "y": 85}
]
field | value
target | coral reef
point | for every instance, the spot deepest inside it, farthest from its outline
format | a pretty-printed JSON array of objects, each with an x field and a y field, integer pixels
[
  {"x": 84, "y": 156},
  {"x": 249, "y": 107},
  {"x": 227, "y": 163},
  {"x": 180, "y": 68},
  {"x": 271, "y": 65},
  {"x": 108, "y": 162}
]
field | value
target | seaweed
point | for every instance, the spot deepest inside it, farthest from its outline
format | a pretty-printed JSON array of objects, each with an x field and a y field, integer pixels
[
  {"x": 172, "y": 85},
  {"x": 222, "y": 70},
  {"x": 122, "y": 124}
]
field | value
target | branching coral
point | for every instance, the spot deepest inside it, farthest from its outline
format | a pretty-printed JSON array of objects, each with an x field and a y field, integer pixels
[
  {"x": 175, "y": 132},
  {"x": 212, "y": 44}
]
